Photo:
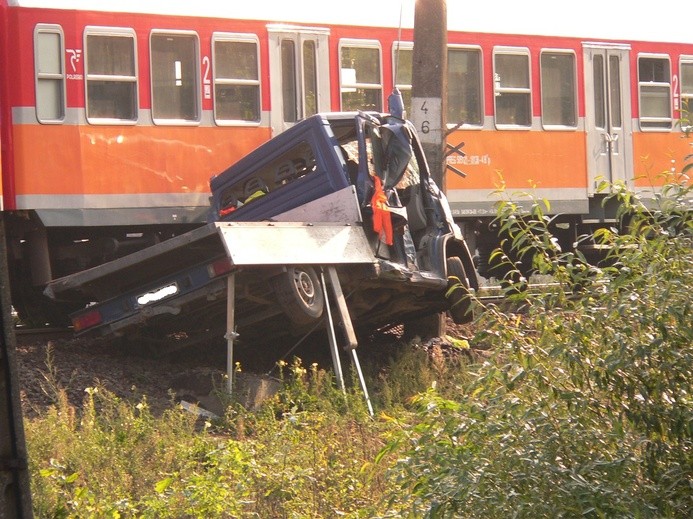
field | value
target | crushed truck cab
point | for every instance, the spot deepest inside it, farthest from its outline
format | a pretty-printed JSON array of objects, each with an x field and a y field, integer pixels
[{"x": 345, "y": 190}]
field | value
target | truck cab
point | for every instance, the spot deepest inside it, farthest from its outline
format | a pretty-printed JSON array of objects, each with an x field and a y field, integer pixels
[{"x": 378, "y": 159}]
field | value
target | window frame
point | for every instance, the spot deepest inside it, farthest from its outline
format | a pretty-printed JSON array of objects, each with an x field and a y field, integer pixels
[
  {"x": 362, "y": 44},
  {"x": 120, "y": 32},
  {"x": 498, "y": 91},
  {"x": 482, "y": 93},
  {"x": 574, "y": 92},
  {"x": 235, "y": 37},
  {"x": 641, "y": 84},
  {"x": 397, "y": 46},
  {"x": 686, "y": 59},
  {"x": 160, "y": 121},
  {"x": 61, "y": 77}
]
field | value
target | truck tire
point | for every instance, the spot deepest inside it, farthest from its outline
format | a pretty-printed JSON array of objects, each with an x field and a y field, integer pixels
[
  {"x": 299, "y": 293},
  {"x": 458, "y": 287}
]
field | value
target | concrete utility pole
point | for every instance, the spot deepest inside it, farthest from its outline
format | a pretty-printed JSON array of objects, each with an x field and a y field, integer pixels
[{"x": 429, "y": 82}]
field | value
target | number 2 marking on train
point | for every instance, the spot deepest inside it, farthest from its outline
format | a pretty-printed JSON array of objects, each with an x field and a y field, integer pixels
[{"x": 206, "y": 81}]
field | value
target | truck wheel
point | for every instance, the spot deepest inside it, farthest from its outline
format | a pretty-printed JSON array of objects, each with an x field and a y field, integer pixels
[
  {"x": 458, "y": 291},
  {"x": 299, "y": 293}
]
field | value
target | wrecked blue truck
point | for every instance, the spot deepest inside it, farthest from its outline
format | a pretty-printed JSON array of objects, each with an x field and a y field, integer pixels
[{"x": 348, "y": 190}]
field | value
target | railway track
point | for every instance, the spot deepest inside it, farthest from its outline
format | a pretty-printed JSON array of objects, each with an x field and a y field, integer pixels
[{"x": 47, "y": 331}]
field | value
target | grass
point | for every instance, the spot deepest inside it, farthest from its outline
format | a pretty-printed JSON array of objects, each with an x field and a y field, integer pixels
[{"x": 308, "y": 452}]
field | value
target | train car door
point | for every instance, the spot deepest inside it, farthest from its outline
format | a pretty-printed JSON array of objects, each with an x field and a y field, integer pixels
[
  {"x": 299, "y": 74},
  {"x": 608, "y": 120}
]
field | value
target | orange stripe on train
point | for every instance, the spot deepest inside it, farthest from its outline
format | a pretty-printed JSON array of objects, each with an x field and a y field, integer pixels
[{"x": 123, "y": 160}]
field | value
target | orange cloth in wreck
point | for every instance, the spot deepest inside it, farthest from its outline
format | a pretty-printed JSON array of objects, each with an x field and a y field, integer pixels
[{"x": 382, "y": 218}]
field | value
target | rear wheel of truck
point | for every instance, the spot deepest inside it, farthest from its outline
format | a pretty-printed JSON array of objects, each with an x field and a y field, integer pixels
[
  {"x": 299, "y": 293},
  {"x": 458, "y": 291}
]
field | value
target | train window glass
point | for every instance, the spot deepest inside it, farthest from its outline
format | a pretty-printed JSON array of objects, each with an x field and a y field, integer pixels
[
  {"x": 465, "y": 90},
  {"x": 402, "y": 58},
  {"x": 310, "y": 78},
  {"x": 558, "y": 89},
  {"x": 686, "y": 68},
  {"x": 615, "y": 92},
  {"x": 512, "y": 89},
  {"x": 175, "y": 77},
  {"x": 236, "y": 78},
  {"x": 289, "y": 91},
  {"x": 110, "y": 75},
  {"x": 49, "y": 66},
  {"x": 599, "y": 91},
  {"x": 361, "y": 77},
  {"x": 654, "y": 84}
]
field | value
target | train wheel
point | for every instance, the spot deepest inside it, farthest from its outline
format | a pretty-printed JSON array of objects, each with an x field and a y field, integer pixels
[
  {"x": 299, "y": 293},
  {"x": 458, "y": 291}
]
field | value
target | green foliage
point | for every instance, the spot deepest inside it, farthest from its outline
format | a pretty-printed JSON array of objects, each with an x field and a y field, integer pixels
[
  {"x": 585, "y": 409},
  {"x": 307, "y": 453},
  {"x": 414, "y": 369}
]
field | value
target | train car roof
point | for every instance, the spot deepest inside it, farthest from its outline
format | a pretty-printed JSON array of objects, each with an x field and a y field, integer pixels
[{"x": 587, "y": 19}]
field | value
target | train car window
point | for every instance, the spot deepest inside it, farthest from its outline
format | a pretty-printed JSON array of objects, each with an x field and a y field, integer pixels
[
  {"x": 599, "y": 91},
  {"x": 465, "y": 86},
  {"x": 512, "y": 88},
  {"x": 110, "y": 72},
  {"x": 654, "y": 85},
  {"x": 615, "y": 114},
  {"x": 465, "y": 90},
  {"x": 289, "y": 87},
  {"x": 175, "y": 77},
  {"x": 310, "y": 78},
  {"x": 299, "y": 101},
  {"x": 361, "y": 82},
  {"x": 402, "y": 59},
  {"x": 49, "y": 65},
  {"x": 686, "y": 73},
  {"x": 558, "y": 89},
  {"x": 236, "y": 65}
]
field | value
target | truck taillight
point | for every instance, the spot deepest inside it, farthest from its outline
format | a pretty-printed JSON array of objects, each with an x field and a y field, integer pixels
[
  {"x": 219, "y": 267},
  {"x": 86, "y": 320}
]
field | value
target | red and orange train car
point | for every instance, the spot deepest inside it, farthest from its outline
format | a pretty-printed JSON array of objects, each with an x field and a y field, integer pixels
[{"x": 114, "y": 115}]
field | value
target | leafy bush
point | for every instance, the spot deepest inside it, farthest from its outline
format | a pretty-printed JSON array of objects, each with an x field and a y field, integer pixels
[
  {"x": 585, "y": 408},
  {"x": 307, "y": 453}
]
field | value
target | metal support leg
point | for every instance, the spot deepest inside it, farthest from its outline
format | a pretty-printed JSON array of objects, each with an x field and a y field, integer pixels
[
  {"x": 231, "y": 334},
  {"x": 357, "y": 365},
  {"x": 336, "y": 363},
  {"x": 340, "y": 300},
  {"x": 348, "y": 327}
]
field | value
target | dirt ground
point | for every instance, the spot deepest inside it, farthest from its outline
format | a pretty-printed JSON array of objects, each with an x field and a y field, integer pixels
[{"x": 52, "y": 362}]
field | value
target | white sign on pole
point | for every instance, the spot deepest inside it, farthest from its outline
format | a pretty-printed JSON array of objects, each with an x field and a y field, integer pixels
[{"x": 427, "y": 118}]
